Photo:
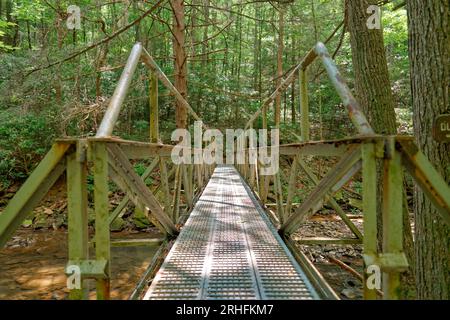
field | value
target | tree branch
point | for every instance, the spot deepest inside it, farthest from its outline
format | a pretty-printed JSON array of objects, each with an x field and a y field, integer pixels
[{"x": 96, "y": 44}]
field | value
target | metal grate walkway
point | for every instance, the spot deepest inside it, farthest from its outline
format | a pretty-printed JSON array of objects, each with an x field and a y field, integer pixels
[{"x": 228, "y": 249}]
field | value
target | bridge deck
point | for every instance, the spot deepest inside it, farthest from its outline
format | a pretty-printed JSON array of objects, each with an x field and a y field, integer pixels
[{"x": 228, "y": 249}]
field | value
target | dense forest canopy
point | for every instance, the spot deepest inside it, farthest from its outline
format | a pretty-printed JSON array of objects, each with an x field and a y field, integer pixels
[{"x": 231, "y": 49}]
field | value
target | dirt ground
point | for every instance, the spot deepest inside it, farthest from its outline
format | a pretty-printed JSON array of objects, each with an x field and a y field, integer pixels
[
  {"x": 346, "y": 285},
  {"x": 32, "y": 265}
]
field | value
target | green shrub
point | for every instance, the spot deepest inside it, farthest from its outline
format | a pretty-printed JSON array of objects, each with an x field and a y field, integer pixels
[{"x": 24, "y": 140}]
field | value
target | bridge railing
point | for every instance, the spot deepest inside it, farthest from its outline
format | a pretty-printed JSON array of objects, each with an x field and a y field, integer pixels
[
  {"x": 111, "y": 160},
  {"x": 358, "y": 157}
]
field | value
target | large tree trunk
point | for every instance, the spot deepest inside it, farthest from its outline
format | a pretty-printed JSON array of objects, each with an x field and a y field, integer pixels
[
  {"x": 429, "y": 50},
  {"x": 180, "y": 60},
  {"x": 373, "y": 90}
]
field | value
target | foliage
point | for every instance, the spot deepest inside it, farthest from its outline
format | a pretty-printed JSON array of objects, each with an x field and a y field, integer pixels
[
  {"x": 232, "y": 49},
  {"x": 4, "y": 25},
  {"x": 24, "y": 139}
]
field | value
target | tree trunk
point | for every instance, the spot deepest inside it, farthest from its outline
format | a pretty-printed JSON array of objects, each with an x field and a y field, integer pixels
[
  {"x": 279, "y": 65},
  {"x": 60, "y": 35},
  {"x": 373, "y": 90},
  {"x": 256, "y": 49},
  {"x": 29, "y": 35},
  {"x": 180, "y": 60},
  {"x": 293, "y": 88},
  {"x": 429, "y": 53},
  {"x": 8, "y": 38}
]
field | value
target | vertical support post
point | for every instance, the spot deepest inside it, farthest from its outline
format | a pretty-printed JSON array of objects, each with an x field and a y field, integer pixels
[
  {"x": 190, "y": 170},
  {"x": 154, "y": 108},
  {"x": 176, "y": 195},
  {"x": 264, "y": 186},
  {"x": 198, "y": 172},
  {"x": 267, "y": 180},
  {"x": 291, "y": 186},
  {"x": 245, "y": 165},
  {"x": 392, "y": 216},
  {"x": 261, "y": 181},
  {"x": 279, "y": 196},
  {"x": 187, "y": 185},
  {"x": 369, "y": 192},
  {"x": 251, "y": 165},
  {"x": 77, "y": 204},
  {"x": 256, "y": 187},
  {"x": 165, "y": 185},
  {"x": 304, "y": 104},
  {"x": 101, "y": 203}
]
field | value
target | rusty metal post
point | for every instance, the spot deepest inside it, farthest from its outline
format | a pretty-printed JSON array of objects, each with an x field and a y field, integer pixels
[
  {"x": 77, "y": 205},
  {"x": 101, "y": 203},
  {"x": 392, "y": 218},
  {"x": 279, "y": 197},
  {"x": 369, "y": 189},
  {"x": 354, "y": 109},
  {"x": 176, "y": 195}
]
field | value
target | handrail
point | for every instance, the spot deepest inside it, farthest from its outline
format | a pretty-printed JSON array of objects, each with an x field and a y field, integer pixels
[
  {"x": 112, "y": 112},
  {"x": 356, "y": 114},
  {"x": 354, "y": 108}
]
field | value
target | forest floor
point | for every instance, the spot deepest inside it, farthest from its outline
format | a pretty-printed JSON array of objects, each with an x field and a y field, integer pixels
[
  {"x": 328, "y": 224},
  {"x": 33, "y": 262}
]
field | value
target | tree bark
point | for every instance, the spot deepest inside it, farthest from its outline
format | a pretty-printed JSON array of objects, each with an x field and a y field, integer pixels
[
  {"x": 279, "y": 65},
  {"x": 60, "y": 35},
  {"x": 11, "y": 38},
  {"x": 372, "y": 84},
  {"x": 293, "y": 85},
  {"x": 373, "y": 90},
  {"x": 429, "y": 53},
  {"x": 180, "y": 60}
]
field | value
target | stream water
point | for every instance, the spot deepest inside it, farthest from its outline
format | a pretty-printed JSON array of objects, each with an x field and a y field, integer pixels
[{"x": 32, "y": 265}]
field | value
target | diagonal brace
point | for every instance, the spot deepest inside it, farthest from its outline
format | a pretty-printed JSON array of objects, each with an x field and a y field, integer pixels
[
  {"x": 341, "y": 173},
  {"x": 427, "y": 177},
  {"x": 331, "y": 201},
  {"x": 136, "y": 186},
  {"x": 33, "y": 190}
]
